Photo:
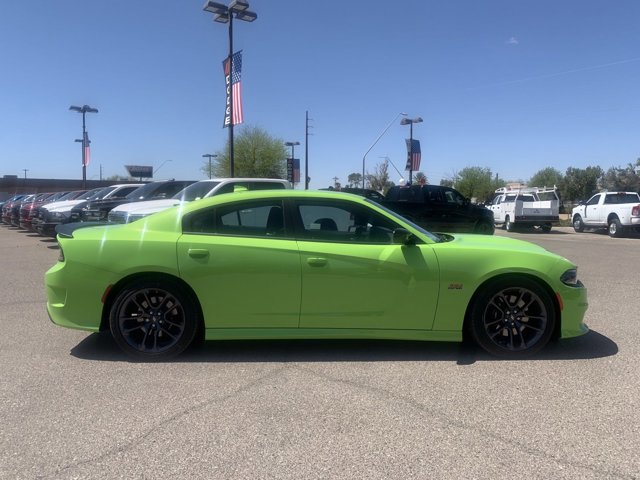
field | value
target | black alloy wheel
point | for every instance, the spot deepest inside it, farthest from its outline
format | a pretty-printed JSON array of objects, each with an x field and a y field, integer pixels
[
  {"x": 153, "y": 320},
  {"x": 513, "y": 318}
]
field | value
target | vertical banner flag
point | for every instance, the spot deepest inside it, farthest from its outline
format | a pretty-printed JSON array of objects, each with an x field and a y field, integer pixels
[
  {"x": 413, "y": 155},
  {"x": 293, "y": 170},
  {"x": 233, "y": 87},
  {"x": 87, "y": 149}
]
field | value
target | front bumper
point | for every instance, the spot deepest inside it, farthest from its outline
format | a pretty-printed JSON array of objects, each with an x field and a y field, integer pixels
[{"x": 574, "y": 307}]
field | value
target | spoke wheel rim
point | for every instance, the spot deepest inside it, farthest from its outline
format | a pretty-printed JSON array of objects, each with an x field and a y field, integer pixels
[
  {"x": 151, "y": 320},
  {"x": 515, "y": 319}
]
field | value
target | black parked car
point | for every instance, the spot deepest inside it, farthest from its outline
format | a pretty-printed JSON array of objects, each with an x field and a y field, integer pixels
[
  {"x": 98, "y": 210},
  {"x": 439, "y": 209}
]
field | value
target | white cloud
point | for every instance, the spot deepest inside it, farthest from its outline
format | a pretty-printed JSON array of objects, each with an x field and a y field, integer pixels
[{"x": 512, "y": 41}]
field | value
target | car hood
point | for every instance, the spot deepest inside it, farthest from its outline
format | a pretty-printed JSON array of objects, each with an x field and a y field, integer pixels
[
  {"x": 65, "y": 205},
  {"x": 491, "y": 242}
]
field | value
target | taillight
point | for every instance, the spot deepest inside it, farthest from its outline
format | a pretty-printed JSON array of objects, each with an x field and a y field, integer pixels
[{"x": 635, "y": 211}]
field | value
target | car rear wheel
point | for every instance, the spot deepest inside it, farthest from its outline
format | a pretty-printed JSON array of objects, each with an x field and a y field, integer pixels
[
  {"x": 508, "y": 226},
  {"x": 615, "y": 228},
  {"x": 512, "y": 318},
  {"x": 546, "y": 228},
  {"x": 153, "y": 320}
]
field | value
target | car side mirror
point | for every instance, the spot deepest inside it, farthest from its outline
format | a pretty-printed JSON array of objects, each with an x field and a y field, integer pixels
[{"x": 403, "y": 236}]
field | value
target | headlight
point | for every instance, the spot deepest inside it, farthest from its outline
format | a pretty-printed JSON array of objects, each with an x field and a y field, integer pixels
[
  {"x": 58, "y": 215},
  {"x": 570, "y": 277}
]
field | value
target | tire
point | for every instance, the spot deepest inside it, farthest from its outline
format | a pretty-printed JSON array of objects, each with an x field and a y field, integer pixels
[
  {"x": 484, "y": 227},
  {"x": 153, "y": 320},
  {"x": 578, "y": 224},
  {"x": 512, "y": 318},
  {"x": 546, "y": 228},
  {"x": 616, "y": 230},
  {"x": 508, "y": 226}
]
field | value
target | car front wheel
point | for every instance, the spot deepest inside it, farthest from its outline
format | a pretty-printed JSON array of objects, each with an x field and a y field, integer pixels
[
  {"x": 578, "y": 224},
  {"x": 484, "y": 227},
  {"x": 512, "y": 318},
  {"x": 153, "y": 320}
]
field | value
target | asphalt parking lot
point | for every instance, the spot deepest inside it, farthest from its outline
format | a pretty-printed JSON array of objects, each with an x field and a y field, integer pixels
[{"x": 72, "y": 406}]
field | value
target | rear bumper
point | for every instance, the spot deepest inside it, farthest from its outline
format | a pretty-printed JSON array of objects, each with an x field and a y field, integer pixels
[{"x": 538, "y": 219}]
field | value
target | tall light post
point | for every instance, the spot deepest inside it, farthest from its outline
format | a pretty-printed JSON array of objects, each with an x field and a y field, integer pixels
[
  {"x": 85, "y": 139},
  {"x": 224, "y": 14},
  {"x": 410, "y": 122},
  {"x": 155, "y": 170},
  {"x": 376, "y": 141},
  {"x": 292, "y": 145},
  {"x": 209, "y": 156}
]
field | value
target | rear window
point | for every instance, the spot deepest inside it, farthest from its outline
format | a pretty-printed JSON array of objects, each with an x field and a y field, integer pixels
[{"x": 614, "y": 198}]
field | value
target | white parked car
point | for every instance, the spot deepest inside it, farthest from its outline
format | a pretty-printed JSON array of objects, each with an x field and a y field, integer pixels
[{"x": 130, "y": 212}]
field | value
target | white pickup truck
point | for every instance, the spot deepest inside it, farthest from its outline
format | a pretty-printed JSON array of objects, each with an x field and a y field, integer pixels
[
  {"x": 616, "y": 211},
  {"x": 531, "y": 207}
]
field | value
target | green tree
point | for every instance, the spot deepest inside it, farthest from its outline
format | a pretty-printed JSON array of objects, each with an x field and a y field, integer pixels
[
  {"x": 417, "y": 178},
  {"x": 547, "y": 177},
  {"x": 475, "y": 182},
  {"x": 579, "y": 183},
  {"x": 380, "y": 179},
  {"x": 447, "y": 182},
  {"x": 256, "y": 154},
  {"x": 354, "y": 179},
  {"x": 622, "y": 179}
]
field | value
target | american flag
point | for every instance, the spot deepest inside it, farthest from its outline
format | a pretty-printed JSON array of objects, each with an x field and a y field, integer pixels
[
  {"x": 233, "y": 77},
  {"x": 413, "y": 155},
  {"x": 86, "y": 149}
]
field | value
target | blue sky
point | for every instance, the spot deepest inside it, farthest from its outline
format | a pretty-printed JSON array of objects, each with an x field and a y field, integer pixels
[{"x": 514, "y": 86}]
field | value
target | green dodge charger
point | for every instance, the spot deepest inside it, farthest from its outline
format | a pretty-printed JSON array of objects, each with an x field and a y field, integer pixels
[{"x": 290, "y": 264}]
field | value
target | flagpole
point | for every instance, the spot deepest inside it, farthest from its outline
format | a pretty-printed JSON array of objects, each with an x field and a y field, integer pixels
[
  {"x": 231, "y": 166},
  {"x": 85, "y": 141},
  {"x": 223, "y": 14},
  {"x": 84, "y": 152},
  {"x": 410, "y": 121}
]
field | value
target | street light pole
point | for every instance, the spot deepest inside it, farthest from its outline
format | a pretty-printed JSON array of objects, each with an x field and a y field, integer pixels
[
  {"x": 209, "y": 156},
  {"x": 224, "y": 14},
  {"x": 410, "y": 122},
  {"x": 156, "y": 170},
  {"x": 376, "y": 141},
  {"x": 85, "y": 140}
]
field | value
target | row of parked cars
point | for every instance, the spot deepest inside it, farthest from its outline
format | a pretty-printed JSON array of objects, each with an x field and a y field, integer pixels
[
  {"x": 440, "y": 209},
  {"x": 121, "y": 203}
]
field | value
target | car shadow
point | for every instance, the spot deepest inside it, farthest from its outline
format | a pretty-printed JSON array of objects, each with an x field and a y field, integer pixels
[{"x": 102, "y": 347}]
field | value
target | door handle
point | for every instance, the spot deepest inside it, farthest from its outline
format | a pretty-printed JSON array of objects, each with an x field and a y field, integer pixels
[
  {"x": 198, "y": 252},
  {"x": 317, "y": 261}
]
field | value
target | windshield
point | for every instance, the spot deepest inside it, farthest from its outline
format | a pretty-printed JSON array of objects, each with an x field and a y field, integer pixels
[
  {"x": 433, "y": 237},
  {"x": 96, "y": 193},
  {"x": 195, "y": 191}
]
